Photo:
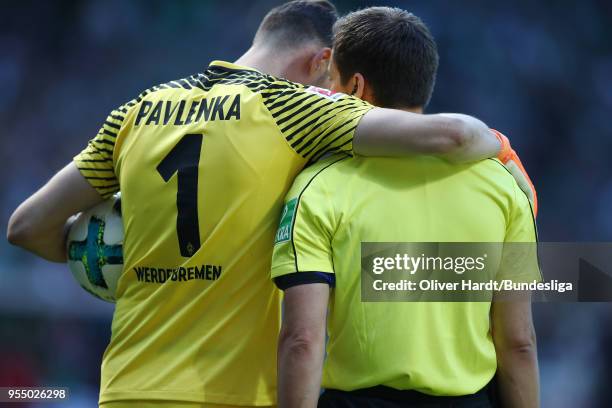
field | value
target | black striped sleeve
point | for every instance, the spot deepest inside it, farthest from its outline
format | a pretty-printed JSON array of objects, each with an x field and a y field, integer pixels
[
  {"x": 95, "y": 162},
  {"x": 314, "y": 121}
]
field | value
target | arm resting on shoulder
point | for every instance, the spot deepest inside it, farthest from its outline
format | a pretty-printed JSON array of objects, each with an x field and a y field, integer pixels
[{"x": 456, "y": 137}]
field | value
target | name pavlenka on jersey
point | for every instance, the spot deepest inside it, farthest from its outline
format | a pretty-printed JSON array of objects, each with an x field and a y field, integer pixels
[
  {"x": 164, "y": 112},
  {"x": 181, "y": 274}
]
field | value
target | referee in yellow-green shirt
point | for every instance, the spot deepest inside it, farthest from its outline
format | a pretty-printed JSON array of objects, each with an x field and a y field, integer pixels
[{"x": 395, "y": 354}]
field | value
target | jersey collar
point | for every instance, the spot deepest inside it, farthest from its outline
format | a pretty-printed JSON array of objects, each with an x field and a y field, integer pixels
[{"x": 230, "y": 66}]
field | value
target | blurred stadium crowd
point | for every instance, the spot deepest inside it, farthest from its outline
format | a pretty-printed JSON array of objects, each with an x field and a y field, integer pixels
[{"x": 541, "y": 72}]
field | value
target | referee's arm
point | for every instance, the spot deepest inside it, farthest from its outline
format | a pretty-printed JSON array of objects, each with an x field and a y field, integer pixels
[
  {"x": 517, "y": 361},
  {"x": 301, "y": 345},
  {"x": 513, "y": 332},
  {"x": 302, "y": 267}
]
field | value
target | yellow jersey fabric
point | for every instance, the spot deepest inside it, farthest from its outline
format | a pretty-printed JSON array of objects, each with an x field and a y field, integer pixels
[
  {"x": 168, "y": 404},
  {"x": 203, "y": 164},
  {"x": 437, "y": 348}
]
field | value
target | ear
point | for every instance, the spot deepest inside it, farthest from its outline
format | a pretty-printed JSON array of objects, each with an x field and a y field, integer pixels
[
  {"x": 319, "y": 62},
  {"x": 358, "y": 86}
]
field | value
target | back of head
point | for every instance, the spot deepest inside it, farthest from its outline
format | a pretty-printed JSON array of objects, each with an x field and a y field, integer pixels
[
  {"x": 297, "y": 23},
  {"x": 393, "y": 50}
]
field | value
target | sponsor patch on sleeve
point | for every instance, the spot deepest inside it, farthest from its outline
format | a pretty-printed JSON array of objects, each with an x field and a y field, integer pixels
[{"x": 286, "y": 223}]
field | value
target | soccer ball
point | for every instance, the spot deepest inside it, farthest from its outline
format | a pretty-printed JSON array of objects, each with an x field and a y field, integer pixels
[{"x": 95, "y": 248}]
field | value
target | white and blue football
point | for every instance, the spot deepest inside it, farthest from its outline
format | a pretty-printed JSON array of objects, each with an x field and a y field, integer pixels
[{"x": 95, "y": 248}]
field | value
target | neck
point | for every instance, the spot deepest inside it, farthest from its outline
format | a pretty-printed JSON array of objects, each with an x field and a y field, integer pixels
[
  {"x": 414, "y": 110},
  {"x": 265, "y": 60}
]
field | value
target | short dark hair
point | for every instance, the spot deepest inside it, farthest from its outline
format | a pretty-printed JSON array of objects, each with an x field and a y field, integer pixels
[
  {"x": 393, "y": 50},
  {"x": 298, "y": 22}
]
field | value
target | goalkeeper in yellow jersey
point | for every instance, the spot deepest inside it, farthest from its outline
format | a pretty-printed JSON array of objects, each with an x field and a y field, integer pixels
[{"x": 203, "y": 164}]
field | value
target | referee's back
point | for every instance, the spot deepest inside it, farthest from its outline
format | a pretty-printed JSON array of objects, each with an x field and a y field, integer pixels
[
  {"x": 389, "y": 58},
  {"x": 441, "y": 348}
]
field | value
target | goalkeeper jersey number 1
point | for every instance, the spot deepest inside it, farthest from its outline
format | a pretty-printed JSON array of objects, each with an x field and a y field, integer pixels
[{"x": 203, "y": 164}]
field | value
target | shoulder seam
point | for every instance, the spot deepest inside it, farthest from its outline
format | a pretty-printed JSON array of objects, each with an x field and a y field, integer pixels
[
  {"x": 297, "y": 205},
  {"x": 515, "y": 186},
  {"x": 533, "y": 219},
  {"x": 508, "y": 171}
]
